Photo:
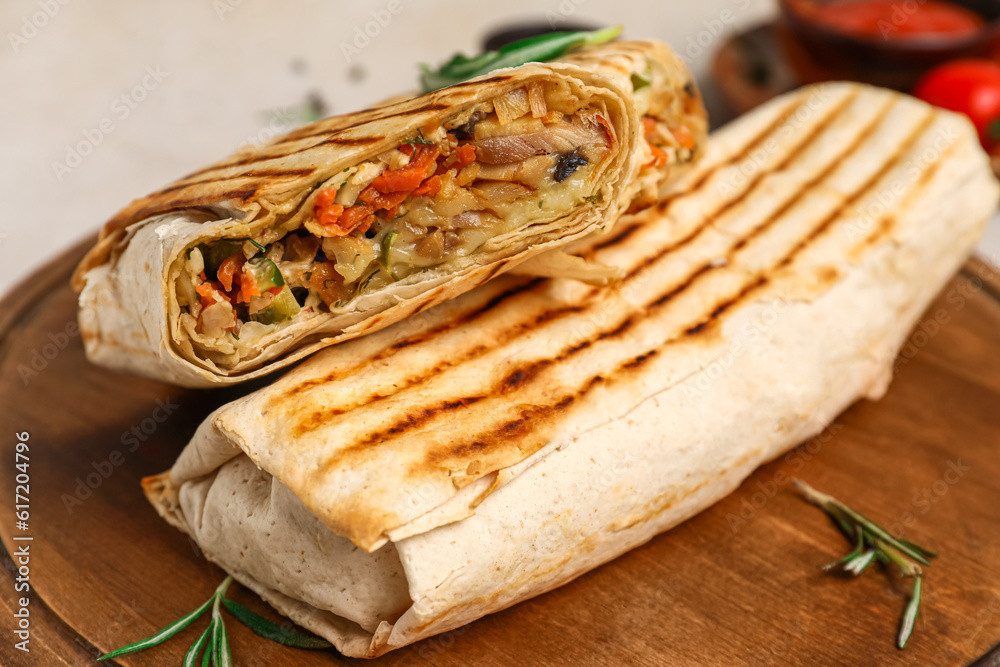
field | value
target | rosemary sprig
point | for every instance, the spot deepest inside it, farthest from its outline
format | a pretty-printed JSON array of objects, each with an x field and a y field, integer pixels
[
  {"x": 874, "y": 543},
  {"x": 214, "y": 641},
  {"x": 533, "y": 49}
]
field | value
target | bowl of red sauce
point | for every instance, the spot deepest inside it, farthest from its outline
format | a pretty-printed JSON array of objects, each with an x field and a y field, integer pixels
[{"x": 886, "y": 42}]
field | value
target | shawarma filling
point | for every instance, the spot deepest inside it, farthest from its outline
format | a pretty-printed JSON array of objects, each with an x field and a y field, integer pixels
[{"x": 530, "y": 156}]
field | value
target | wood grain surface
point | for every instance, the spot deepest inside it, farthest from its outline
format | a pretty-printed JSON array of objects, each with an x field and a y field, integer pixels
[{"x": 738, "y": 584}]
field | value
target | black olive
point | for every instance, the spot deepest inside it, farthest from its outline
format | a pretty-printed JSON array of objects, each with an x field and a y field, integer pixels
[
  {"x": 689, "y": 89},
  {"x": 300, "y": 294},
  {"x": 320, "y": 256},
  {"x": 467, "y": 129},
  {"x": 567, "y": 164}
]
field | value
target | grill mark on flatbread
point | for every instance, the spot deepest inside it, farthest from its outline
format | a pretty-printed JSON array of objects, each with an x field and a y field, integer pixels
[
  {"x": 317, "y": 418},
  {"x": 416, "y": 339},
  {"x": 696, "y": 185},
  {"x": 754, "y": 183},
  {"x": 758, "y": 282},
  {"x": 474, "y": 82},
  {"x": 314, "y": 420},
  {"x": 275, "y": 173},
  {"x": 114, "y": 225},
  {"x": 888, "y": 222},
  {"x": 351, "y": 141},
  {"x": 714, "y": 318},
  {"x": 616, "y": 238}
]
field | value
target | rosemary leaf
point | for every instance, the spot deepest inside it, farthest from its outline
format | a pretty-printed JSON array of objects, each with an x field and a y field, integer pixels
[
  {"x": 910, "y": 615},
  {"x": 225, "y": 658},
  {"x": 858, "y": 564},
  {"x": 874, "y": 542},
  {"x": 849, "y": 557},
  {"x": 191, "y": 659},
  {"x": 273, "y": 631},
  {"x": 833, "y": 506},
  {"x": 209, "y": 656},
  {"x": 533, "y": 49},
  {"x": 161, "y": 636}
]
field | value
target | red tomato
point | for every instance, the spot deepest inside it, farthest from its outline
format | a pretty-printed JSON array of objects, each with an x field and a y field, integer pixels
[{"x": 967, "y": 86}]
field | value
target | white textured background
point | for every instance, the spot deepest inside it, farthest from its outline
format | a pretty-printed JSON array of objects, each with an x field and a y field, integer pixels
[{"x": 233, "y": 71}]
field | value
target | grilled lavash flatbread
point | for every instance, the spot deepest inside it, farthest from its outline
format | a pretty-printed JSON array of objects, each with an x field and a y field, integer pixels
[
  {"x": 138, "y": 307},
  {"x": 507, "y": 441}
]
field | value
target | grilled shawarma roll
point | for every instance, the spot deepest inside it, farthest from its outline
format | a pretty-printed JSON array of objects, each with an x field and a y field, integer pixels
[
  {"x": 345, "y": 226},
  {"x": 513, "y": 438}
]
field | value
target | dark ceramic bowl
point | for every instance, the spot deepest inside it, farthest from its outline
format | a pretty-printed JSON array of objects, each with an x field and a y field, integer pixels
[{"x": 897, "y": 63}]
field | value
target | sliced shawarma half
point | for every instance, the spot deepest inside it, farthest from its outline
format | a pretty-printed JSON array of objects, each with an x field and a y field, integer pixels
[{"x": 347, "y": 225}]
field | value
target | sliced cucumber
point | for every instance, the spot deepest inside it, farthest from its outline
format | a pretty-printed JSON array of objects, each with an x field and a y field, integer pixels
[
  {"x": 265, "y": 273},
  {"x": 283, "y": 307}
]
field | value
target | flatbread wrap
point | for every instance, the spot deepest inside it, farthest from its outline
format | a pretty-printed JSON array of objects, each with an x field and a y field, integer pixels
[
  {"x": 501, "y": 444},
  {"x": 345, "y": 226}
]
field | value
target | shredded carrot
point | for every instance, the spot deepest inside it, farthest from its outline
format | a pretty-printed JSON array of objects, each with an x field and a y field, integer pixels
[
  {"x": 378, "y": 200},
  {"x": 430, "y": 187},
  {"x": 248, "y": 286},
  {"x": 325, "y": 197},
  {"x": 659, "y": 158},
  {"x": 358, "y": 217},
  {"x": 466, "y": 155},
  {"x": 409, "y": 177},
  {"x": 329, "y": 216},
  {"x": 229, "y": 269},
  {"x": 684, "y": 138},
  {"x": 210, "y": 292}
]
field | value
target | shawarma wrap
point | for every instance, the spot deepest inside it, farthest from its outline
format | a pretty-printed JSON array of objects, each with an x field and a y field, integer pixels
[
  {"x": 347, "y": 225},
  {"x": 507, "y": 441}
]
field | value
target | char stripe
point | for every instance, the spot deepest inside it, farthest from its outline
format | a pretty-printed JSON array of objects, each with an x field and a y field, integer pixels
[
  {"x": 315, "y": 420},
  {"x": 759, "y": 281},
  {"x": 318, "y": 417},
  {"x": 752, "y": 186},
  {"x": 264, "y": 173},
  {"x": 750, "y": 146},
  {"x": 391, "y": 350}
]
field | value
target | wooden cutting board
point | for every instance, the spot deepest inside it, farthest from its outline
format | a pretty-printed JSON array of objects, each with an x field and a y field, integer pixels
[{"x": 738, "y": 584}]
